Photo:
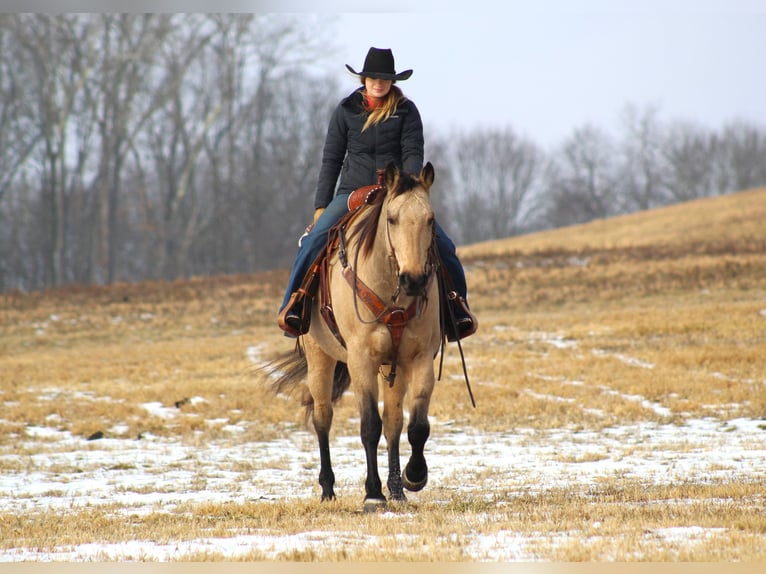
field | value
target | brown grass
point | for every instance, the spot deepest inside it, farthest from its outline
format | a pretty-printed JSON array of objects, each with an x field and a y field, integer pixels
[{"x": 653, "y": 317}]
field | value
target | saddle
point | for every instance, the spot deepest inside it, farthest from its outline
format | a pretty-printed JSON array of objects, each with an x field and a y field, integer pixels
[{"x": 316, "y": 275}]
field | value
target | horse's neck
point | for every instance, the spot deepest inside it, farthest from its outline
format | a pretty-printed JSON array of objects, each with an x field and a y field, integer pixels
[{"x": 377, "y": 269}]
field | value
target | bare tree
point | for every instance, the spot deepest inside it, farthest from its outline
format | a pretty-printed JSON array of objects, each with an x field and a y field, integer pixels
[
  {"x": 222, "y": 154},
  {"x": 217, "y": 248},
  {"x": 581, "y": 183},
  {"x": 743, "y": 151},
  {"x": 292, "y": 152},
  {"x": 123, "y": 99},
  {"x": 175, "y": 140},
  {"x": 494, "y": 172},
  {"x": 691, "y": 155},
  {"x": 58, "y": 69},
  {"x": 18, "y": 139},
  {"x": 444, "y": 196},
  {"x": 18, "y": 135},
  {"x": 641, "y": 184}
]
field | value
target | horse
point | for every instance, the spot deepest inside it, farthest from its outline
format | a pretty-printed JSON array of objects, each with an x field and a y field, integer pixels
[{"x": 384, "y": 299}]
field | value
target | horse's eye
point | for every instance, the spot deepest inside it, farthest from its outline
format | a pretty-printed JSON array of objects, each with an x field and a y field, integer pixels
[
  {"x": 392, "y": 220},
  {"x": 431, "y": 221}
]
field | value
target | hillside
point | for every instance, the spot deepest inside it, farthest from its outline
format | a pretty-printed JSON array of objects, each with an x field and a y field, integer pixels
[
  {"x": 735, "y": 220},
  {"x": 709, "y": 243}
]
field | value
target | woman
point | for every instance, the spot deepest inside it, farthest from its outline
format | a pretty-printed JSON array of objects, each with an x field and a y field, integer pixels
[{"x": 371, "y": 127}]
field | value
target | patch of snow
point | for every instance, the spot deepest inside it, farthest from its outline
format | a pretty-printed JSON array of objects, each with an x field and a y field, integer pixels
[
  {"x": 159, "y": 410},
  {"x": 216, "y": 422},
  {"x": 119, "y": 429},
  {"x": 42, "y": 432},
  {"x": 140, "y": 476},
  {"x": 546, "y": 397},
  {"x": 630, "y": 361},
  {"x": 253, "y": 353},
  {"x": 561, "y": 342},
  {"x": 645, "y": 403}
]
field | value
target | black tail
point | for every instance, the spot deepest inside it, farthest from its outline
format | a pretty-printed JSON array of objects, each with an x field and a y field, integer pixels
[
  {"x": 288, "y": 375},
  {"x": 341, "y": 381}
]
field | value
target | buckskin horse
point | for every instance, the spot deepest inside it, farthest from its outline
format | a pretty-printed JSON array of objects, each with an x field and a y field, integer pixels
[{"x": 375, "y": 326}]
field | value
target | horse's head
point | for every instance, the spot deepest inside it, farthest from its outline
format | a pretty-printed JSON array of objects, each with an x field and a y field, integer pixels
[{"x": 409, "y": 221}]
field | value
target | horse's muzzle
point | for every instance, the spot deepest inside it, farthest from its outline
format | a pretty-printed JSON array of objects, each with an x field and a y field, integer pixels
[{"x": 413, "y": 285}]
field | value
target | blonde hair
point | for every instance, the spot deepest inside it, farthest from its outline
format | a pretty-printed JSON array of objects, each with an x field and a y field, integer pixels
[{"x": 386, "y": 109}]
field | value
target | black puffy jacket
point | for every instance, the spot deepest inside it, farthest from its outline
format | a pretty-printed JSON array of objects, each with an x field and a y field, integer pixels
[{"x": 356, "y": 155}]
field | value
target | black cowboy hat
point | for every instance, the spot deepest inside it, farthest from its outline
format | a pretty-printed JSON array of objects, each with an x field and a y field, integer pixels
[{"x": 379, "y": 64}]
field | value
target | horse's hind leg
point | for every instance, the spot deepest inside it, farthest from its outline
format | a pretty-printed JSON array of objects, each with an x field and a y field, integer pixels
[
  {"x": 393, "y": 421},
  {"x": 322, "y": 423},
  {"x": 415, "y": 475},
  {"x": 320, "y": 381}
]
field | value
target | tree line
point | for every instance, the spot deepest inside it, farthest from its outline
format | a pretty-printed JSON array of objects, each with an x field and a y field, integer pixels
[
  {"x": 157, "y": 146},
  {"x": 504, "y": 185}
]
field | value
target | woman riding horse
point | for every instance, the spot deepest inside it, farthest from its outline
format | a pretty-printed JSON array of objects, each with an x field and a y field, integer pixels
[
  {"x": 373, "y": 126},
  {"x": 381, "y": 287}
]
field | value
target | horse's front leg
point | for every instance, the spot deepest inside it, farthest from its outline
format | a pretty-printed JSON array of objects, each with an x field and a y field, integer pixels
[
  {"x": 415, "y": 475},
  {"x": 365, "y": 381},
  {"x": 393, "y": 421}
]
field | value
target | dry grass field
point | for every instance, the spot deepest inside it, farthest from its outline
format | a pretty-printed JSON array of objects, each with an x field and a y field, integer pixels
[{"x": 619, "y": 375}]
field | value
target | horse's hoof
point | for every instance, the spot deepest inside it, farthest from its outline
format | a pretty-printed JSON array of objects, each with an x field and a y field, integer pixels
[
  {"x": 374, "y": 504},
  {"x": 414, "y": 486},
  {"x": 398, "y": 497}
]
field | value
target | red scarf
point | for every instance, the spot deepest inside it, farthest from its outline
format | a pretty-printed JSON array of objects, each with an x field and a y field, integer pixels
[{"x": 371, "y": 104}]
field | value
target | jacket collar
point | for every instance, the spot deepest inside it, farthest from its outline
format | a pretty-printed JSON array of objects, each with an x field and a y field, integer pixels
[{"x": 354, "y": 99}]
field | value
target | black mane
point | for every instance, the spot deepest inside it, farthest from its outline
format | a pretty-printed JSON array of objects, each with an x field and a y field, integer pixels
[{"x": 368, "y": 224}]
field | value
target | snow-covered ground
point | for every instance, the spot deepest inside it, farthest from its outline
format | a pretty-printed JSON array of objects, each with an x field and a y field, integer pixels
[{"x": 154, "y": 473}]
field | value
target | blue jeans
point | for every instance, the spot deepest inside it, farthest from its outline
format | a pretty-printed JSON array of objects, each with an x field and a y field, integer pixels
[{"x": 316, "y": 240}]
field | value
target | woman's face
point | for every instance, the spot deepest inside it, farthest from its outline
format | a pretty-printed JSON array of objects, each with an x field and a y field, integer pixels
[{"x": 377, "y": 89}]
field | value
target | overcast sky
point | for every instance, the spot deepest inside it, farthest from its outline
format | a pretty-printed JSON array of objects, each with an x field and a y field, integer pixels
[
  {"x": 547, "y": 67},
  {"x": 542, "y": 67}
]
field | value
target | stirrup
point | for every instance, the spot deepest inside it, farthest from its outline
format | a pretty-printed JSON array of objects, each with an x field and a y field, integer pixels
[
  {"x": 466, "y": 325},
  {"x": 292, "y": 323}
]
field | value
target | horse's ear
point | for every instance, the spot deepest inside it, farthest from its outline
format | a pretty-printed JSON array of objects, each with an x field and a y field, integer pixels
[
  {"x": 427, "y": 174},
  {"x": 391, "y": 176}
]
